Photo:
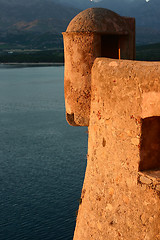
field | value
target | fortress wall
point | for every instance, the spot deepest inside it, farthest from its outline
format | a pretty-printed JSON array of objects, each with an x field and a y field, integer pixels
[{"x": 115, "y": 205}]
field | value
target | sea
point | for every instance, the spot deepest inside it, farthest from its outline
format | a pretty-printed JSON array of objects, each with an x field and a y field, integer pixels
[{"x": 42, "y": 158}]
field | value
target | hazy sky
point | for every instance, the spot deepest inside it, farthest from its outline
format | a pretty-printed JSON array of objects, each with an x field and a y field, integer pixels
[
  {"x": 95, "y": 0},
  {"x": 126, "y": 0},
  {"x": 119, "y": 6},
  {"x": 79, "y": 2}
]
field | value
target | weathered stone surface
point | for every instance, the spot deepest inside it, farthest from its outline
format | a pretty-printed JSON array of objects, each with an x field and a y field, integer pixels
[
  {"x": 151, "y": 104},
  {"x": 98, "y": 20},
  {"x": 120, "y": 201},
  {"x": 158, "y": 187},
  {"x": 123, "y": 209},
  {"x": 145, "y": 180},
  {"x": 150, "y": 178},
  {"x": 80, "y": 53},
  {"x": 135, "y": 141},
  {"x": 152, "y": 174}
]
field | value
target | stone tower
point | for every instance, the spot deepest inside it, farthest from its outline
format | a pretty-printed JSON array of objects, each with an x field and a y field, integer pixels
[
  {"x": 95, "y": 32},
  {"x": 119, "y": 99}
]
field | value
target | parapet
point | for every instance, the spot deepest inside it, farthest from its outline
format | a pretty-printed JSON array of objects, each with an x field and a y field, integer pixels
[{"x": 121, "y": 192}]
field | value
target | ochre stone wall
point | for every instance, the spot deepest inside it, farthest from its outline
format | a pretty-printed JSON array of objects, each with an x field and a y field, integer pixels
[
  {"x": 80, "y": 50},
  {"x": 118, "y": 203}
]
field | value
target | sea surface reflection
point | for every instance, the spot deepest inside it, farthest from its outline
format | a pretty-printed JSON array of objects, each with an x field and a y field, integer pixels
[{"x": 42, "y": 158}]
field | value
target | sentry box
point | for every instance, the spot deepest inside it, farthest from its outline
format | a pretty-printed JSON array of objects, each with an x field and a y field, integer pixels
[{"x": 95, "y": 32}]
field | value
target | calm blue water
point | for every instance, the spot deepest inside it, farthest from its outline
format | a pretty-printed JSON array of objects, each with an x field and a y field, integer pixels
[{"x": 42, "y": 158}]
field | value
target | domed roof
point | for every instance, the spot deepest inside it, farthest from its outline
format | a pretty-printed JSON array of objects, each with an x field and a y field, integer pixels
[{"x": 98, "y": 20}]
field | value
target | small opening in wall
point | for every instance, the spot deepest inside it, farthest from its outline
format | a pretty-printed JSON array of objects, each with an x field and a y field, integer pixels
[
  {"x": 150, "y": 144},
  {"x": 110, "y": 46}
]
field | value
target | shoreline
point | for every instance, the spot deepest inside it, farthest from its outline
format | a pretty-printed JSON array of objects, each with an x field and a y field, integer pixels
[{"x": 31, "y": 64}]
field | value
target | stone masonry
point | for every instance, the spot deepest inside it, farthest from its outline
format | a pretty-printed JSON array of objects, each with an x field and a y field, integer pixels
[
  {"x": 119, "y": 101},
  {"x": 119, "y": 202},
  {"x": 93, "y": 33}
]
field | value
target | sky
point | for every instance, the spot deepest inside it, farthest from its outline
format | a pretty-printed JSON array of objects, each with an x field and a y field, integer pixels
[
  {"x": 95, "y": 0},
  {"x": 105, "y": 3},
  {"x": 128, "y": 0},
  {"x": 86, "y": 3},
  {"x": 101, "y": 0}
]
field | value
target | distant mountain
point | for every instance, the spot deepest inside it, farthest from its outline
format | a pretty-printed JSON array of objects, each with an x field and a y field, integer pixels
[
  {"x": 36, "y": 15},
  {"x": 39, "y": 23},
  {"x": 146, "y": 14},
  {"x": 33, "y": 23},
  {"x": 147, "y": 20},
  {"x": 149, "y": 52}
]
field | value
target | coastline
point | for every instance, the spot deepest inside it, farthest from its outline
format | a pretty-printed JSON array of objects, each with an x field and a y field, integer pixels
[{"x": 31, "y": 64}]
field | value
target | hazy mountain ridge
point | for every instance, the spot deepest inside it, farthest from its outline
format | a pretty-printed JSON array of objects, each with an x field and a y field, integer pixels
[
  {"x": 43, "y": 18},
  {"x": 146, "y": 14},
  {"x": 12, "y": 14},
  {"x": 33, "y": 23}
]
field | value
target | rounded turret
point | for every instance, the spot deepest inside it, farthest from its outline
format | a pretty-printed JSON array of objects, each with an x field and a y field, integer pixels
[
  {"x": 94, "y": 32},
  {"x": 98, "y": 20}
]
